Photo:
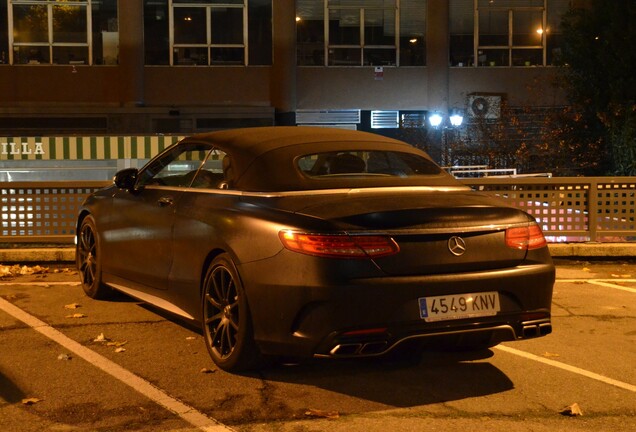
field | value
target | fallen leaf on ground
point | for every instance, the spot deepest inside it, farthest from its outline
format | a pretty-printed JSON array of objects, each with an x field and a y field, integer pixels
[
  {"x": 9, "y": 271},
  {"x": 190, "y": 338},
  {"x": 573, "y": 410},
  {"x": 101, "y": 338},
  {"x": 207, "y": 371},
  {"x": 322, "y": 414},
  {"x": 26, "y": 270},
  {"x": 65, "y": 270},
  {"x": 64, "y": 357},
  {"x": 72, "y": 306},
  {"x": 120, "y": 350},
  {"x": 77, "y": 315},
  {"x": 31, "y": 401},
  {"x": 5, "y": 271},
  {"x": 18, "y": 270},
  {"x": 116, "y": 344}
]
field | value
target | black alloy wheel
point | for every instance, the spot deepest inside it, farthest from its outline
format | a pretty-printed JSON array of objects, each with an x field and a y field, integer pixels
[
  {"x": 88, "y": 261},
  {"x": 227, "y": 326}
]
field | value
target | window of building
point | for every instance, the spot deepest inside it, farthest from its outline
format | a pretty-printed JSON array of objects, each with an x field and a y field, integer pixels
[
  {"x": 361, "y": 33},
  {"x": 207, "y": 32},
  {"x": 505, "y": 32},
  {"x": 511, "y": 33},
  {"x": 4, "y": 35},
  {"x": 62, "y": 32}
]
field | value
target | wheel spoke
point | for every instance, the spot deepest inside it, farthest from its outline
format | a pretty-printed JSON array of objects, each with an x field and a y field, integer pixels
[
  {"x": 88, "y": 272},
  {"x": 234, "y": 316},
  {"x": 216, "y": 339},
  {"x": 229, "y": 345},
  {"x": 87, "y": 244},
  {"x": 212, "y": 301},
  {"x": 87, "y": 256},
  {"x": 214, "y": 318}
]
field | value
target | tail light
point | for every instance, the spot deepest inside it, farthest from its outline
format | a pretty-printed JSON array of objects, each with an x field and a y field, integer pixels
[
  {"x": 525, "y": 238},
  {"x": 339, "y": 245}
]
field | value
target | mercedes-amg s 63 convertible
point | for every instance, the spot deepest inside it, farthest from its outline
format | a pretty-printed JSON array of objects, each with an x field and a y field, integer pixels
[{"x": 315, "y": 242}]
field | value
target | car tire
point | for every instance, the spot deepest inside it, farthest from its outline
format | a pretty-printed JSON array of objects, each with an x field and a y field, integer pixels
[
  {"x": 227, "y": 324},
  {"x": 88, "y": 261}
]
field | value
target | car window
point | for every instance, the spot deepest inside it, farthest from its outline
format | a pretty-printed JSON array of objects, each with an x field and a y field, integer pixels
[
  {"x": 366, "y": 164},
  {"x": 193, "y": 165},
  {"x": 211, "y": 174}
]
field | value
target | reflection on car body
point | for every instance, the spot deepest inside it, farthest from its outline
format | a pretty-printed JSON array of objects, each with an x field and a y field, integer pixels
[{"x": 296, "y": 241}]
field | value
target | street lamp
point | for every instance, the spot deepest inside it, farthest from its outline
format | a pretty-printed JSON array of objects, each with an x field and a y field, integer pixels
[
  {"x": 456, "y": 119},
  {"x": 443, "y": 124},
  {"x": 435, "y": 119}
]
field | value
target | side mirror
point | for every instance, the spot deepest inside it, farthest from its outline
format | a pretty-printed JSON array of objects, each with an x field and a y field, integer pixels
[{"x": 126, "y": 178}]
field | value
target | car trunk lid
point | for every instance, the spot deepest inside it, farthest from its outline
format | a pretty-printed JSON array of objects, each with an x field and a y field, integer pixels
[{"x": 437, "y": 231}]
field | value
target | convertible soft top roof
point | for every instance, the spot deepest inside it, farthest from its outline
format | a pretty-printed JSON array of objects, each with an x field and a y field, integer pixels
[
  {"x": 259, "y": 140},
  {"x": 271, "y": 150}
]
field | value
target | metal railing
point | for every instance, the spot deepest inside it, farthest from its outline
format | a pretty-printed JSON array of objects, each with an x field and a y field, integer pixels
[
  {"x": 569, "y": 209},
  {"x": 42, "y": 212}
]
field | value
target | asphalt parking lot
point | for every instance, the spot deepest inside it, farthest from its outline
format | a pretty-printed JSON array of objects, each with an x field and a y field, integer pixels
[{"x": 69, "y": 363}]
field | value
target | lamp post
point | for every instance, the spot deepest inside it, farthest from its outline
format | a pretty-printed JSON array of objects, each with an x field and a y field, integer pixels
[{"x": 453, "y": 121}]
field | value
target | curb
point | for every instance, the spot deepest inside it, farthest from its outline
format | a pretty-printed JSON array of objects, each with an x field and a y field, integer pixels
[
  {"x": 21, "y": 255},
  {"x": 593, "y": 250},
  {"x": 557, "y": 250}
]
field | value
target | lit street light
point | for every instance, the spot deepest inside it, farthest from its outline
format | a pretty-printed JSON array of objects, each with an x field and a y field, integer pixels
[{"x": 435, "y": 120}]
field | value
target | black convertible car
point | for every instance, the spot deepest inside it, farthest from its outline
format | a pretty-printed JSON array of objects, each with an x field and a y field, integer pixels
[{"x": 298, "y": 241}]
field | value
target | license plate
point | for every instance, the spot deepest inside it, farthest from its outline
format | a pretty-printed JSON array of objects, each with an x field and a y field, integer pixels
[{"x": 458, "y": 306}]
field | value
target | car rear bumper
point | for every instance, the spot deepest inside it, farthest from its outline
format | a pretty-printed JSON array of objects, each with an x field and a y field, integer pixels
[
  {"x": 466, "y": 335},
  {"x": 313, "y": 315}
]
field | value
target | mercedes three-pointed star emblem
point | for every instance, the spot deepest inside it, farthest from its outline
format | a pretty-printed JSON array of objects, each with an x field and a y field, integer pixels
[{"x": 456, "y": 245}]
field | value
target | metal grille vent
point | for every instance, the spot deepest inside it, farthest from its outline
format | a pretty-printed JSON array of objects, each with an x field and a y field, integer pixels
[
  {"x": 327, "y": 117},
  {"x": 385, "y": 119},
  {"x": 414, "y": 120}
]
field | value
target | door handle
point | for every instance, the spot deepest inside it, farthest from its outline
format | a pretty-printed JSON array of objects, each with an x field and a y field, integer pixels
[{"x": 165, "y": 201}]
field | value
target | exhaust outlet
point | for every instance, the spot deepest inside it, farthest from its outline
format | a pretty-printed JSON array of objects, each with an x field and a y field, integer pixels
[
  {"x": 530, "y": 331},
  {"x": 545, "y": 329},
  {"x": 345, "y": 349},
  {"x": 373, "y": 348}
]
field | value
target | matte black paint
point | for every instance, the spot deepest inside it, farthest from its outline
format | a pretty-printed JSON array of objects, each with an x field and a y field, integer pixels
[{"x": 159, "y": 240}]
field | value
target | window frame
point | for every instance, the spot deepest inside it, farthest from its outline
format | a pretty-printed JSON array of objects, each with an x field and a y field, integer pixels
[
  {"x": 510, "y": 47},
  {"x": 209, "y": 45},
  {"x": 362, "y": 46},
  {"x": 315, "y": 41},
  {"x": 51, "y": 44}
]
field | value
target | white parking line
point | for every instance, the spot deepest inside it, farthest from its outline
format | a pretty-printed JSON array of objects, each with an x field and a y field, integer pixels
[
  {"x": 186, "y": 412},
  {"x": 41, "y": 284},
  {"x": 566, "y": 367},
  {"x": 608, "y": 283}
]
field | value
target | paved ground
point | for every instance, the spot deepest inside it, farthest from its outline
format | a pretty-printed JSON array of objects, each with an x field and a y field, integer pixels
[{"x": 163, "y": 379}]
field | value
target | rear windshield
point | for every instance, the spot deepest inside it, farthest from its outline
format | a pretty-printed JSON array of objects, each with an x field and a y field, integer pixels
[{"x": 374, "y": 163}]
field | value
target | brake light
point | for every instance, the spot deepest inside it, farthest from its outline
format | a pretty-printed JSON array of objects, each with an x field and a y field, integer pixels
[
  {"x": 339, "y": 245},
  {"x": 525, "y": 238}
]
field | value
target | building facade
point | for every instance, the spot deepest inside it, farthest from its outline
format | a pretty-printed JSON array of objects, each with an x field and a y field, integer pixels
[{"x": 187, "y": 66}]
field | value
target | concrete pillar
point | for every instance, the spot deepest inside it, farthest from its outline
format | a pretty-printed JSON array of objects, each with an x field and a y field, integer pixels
[
  {"x": 131, "y": 52},
  {"x": 283, "y": 74},
  {"x": 437, "y": 60},
  {"x": 437, "y": 48}
]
